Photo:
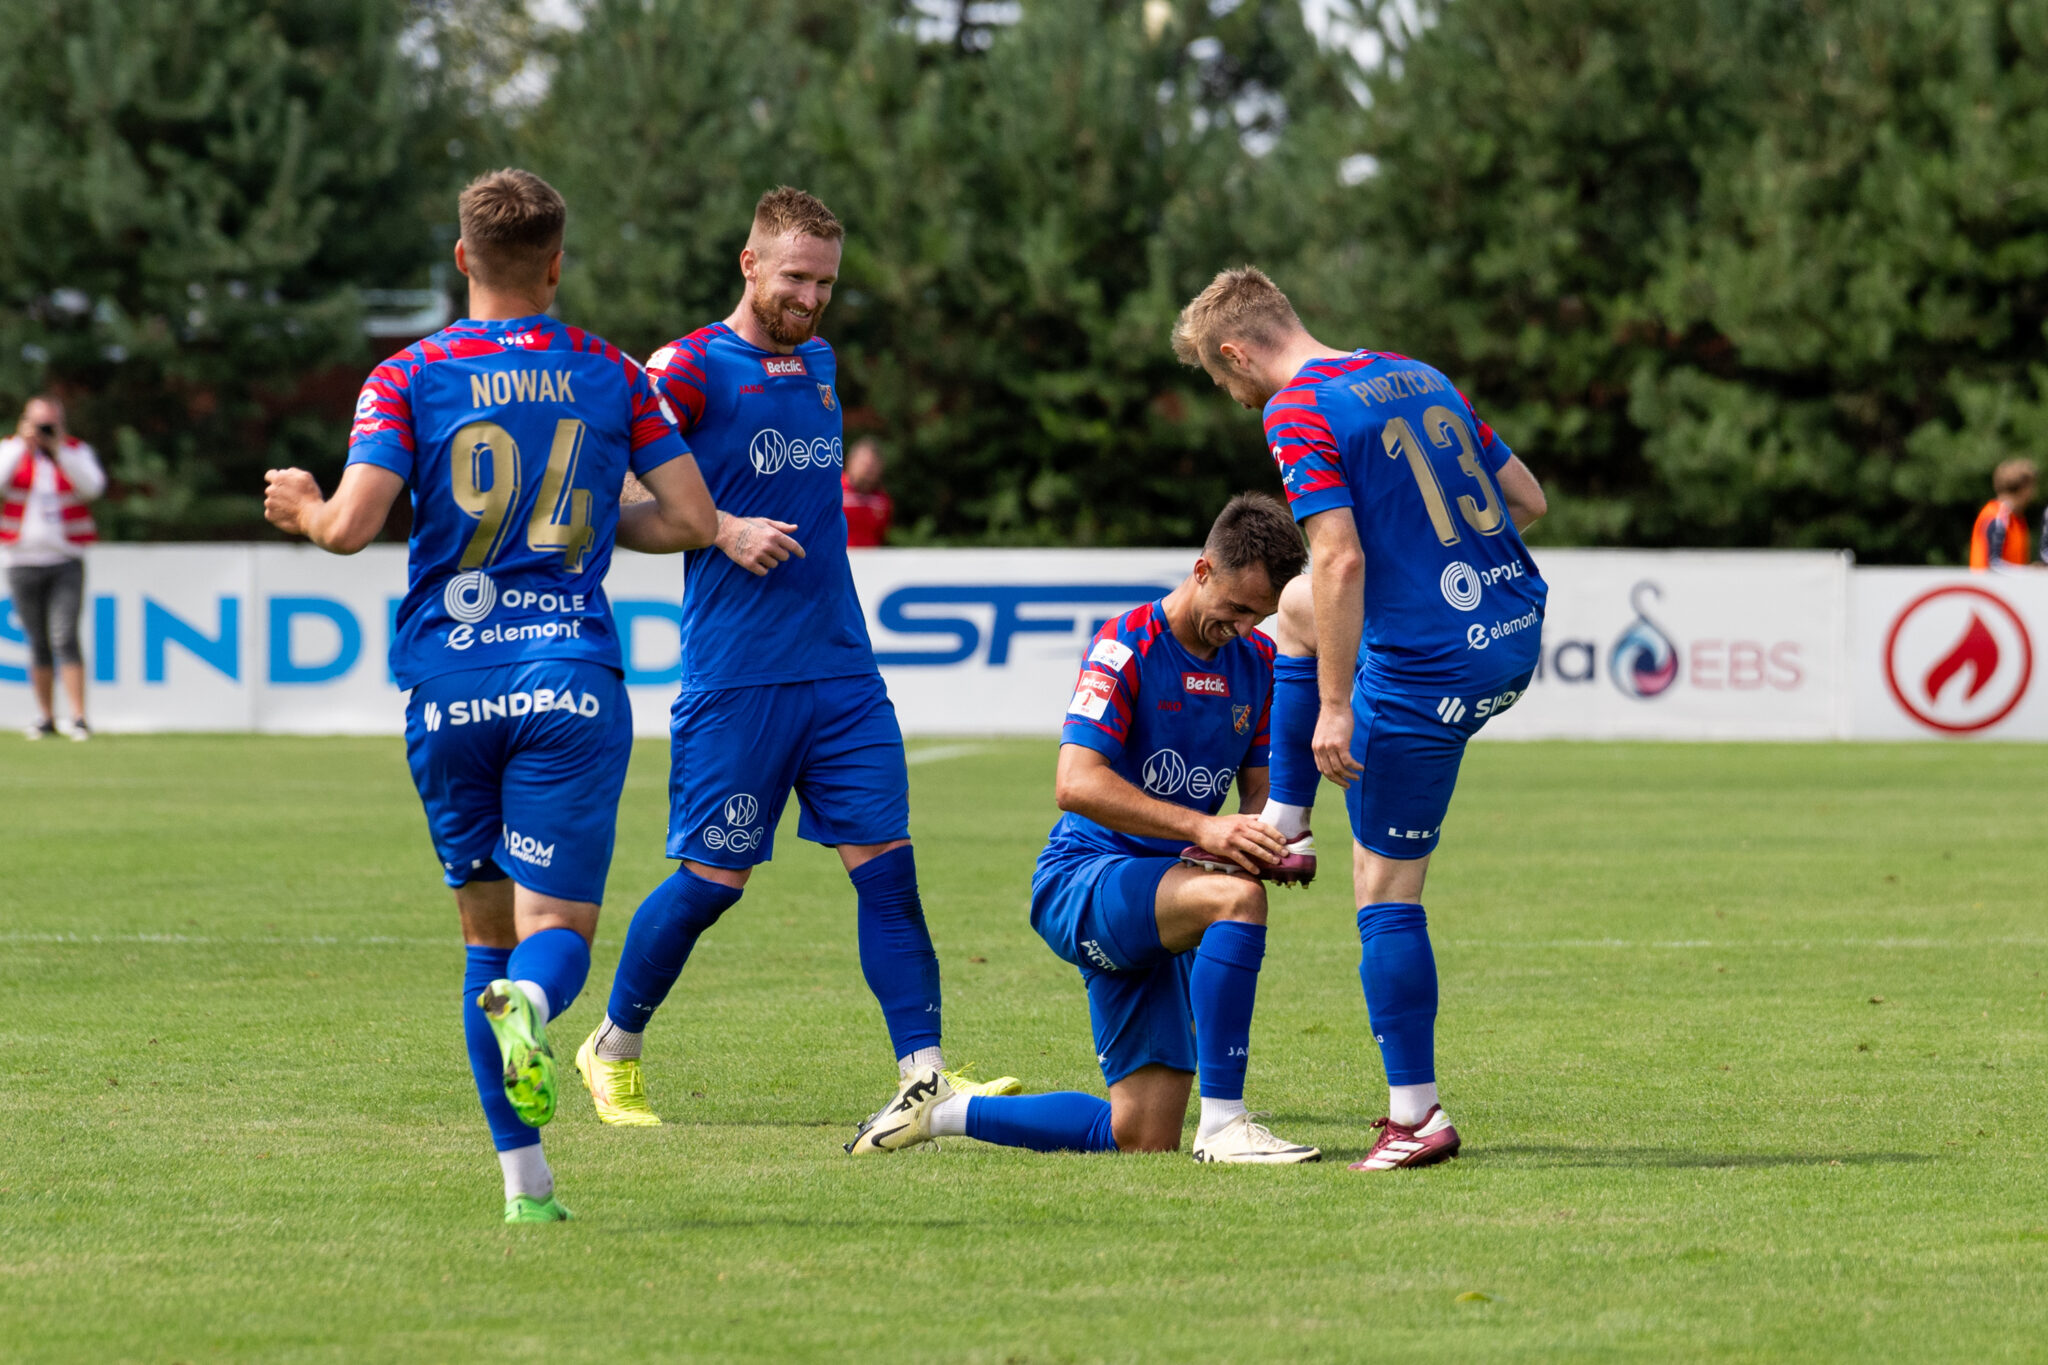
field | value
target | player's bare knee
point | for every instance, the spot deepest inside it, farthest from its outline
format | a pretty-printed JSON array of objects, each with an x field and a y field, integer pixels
[
  {"x": 1143, "y": 1132},
  {"x": 1242, "y": 900}
]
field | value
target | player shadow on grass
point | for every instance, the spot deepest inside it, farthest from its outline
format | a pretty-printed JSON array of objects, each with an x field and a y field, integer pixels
[{"x": 1680, "y": 1158}]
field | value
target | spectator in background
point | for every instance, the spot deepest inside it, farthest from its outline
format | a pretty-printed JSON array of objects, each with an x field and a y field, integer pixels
[
  {"x": 2000, "y": 535},
  {"x": 47, "y": 477},
  {"x": 868, "y": 508}
]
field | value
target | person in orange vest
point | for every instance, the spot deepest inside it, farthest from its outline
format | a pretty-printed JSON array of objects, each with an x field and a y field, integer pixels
[
  {"x": 2000, "y": 535},
  {"x": 47, "y": 476},
  {"x": 868, "y": 508}
]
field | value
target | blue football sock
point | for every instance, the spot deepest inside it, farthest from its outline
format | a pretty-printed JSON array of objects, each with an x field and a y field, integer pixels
[
  {"x": 658, "y": 942},
  {"x": 1399, "y": 974},
  {"x": 557, "y": 961},
  {"x": 1297, "y": 702},
  {"x": 896, "y": 954},
  {"x": 1221, "y": 988},
  {"x": 1067, "y": 1121},
  {"x": 484, "y": 966}
]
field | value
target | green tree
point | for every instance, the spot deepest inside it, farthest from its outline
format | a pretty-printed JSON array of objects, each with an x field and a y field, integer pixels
[
  {"x": 195, "y": 189},
  {"x": 1028, "y": 206},
  {"x": 1731, "y": 272}
]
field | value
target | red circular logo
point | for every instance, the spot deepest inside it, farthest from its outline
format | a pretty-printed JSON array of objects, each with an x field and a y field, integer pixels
[{"x": 1958, "y": 659}]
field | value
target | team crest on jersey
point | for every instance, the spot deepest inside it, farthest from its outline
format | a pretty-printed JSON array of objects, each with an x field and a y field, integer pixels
[
  {"x": 825, "y": 397},
  {"x": 783, "y": 366},
  {"x": 1241, "y": 717}
]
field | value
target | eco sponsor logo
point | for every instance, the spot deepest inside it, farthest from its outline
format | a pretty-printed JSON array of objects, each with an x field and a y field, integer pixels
[
  {"x": 1958, "y": 659},
  {"x": 526, "y": 848},
  {"x": 539, "y": 701},
  {"x": 741, "y": 833},
  {"x": 1168, "y": 774},
  {"x": 772, "y": 452},
  {"x": 1205, "y": 684}
]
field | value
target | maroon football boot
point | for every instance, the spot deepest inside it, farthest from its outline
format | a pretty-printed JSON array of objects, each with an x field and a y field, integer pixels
[
  {"x": 1297, "y": 866},
  {"x": 1427, "y": 1143}
]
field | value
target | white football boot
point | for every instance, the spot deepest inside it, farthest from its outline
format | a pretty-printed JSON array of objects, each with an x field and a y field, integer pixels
[
  {"x": 905, "y": 1120},
  {"x": 1241, "y": 1142}
]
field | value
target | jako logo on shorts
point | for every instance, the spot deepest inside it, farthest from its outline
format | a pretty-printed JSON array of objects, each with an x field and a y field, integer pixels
[
  {"x": 772, "y": 452},
  {"x": 1168, "y": 774},
  {"x": 741, "y": 810},
  {"x": 470, "y": 596},
  {"x": 526, "y": 848}
]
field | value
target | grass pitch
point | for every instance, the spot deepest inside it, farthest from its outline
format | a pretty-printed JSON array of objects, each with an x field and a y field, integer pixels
[{"x": 1746, "y": 1044}]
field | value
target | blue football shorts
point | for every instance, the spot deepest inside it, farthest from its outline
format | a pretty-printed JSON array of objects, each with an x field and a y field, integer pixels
[
  {"x": 737, "y": 754},
  {"x": 1410, "y": 747},
  {"x": 520, "y": 768},
  {"x": 1099, "y": 912}
]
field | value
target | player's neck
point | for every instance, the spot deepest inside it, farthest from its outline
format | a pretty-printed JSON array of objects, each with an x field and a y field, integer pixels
[
  {"x": 498, "y": 305},
  {"x": 1180, "y": 619},
  {"x": 748, "y": 328},
  {"x": 1296, "y": 353}
]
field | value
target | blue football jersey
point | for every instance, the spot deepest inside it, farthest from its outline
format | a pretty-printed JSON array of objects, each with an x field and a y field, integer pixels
[
  {"x": 765, "y": 428},
  {"x": 1176, "y": 726},
  {"x": 514, "y": 438},
  {"x": 1452, "y": 597}
]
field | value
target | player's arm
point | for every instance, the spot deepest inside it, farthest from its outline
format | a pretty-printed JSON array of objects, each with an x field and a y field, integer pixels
[
  {"x": 1087, "y": 785},
  {"x": 1520, "y": 491},
  {"x": 1253, "y": 784},
  {"x": 674, "y": 510},
  {"x": 342, "y": 524},
  {"x": 1337, "y": 573}
]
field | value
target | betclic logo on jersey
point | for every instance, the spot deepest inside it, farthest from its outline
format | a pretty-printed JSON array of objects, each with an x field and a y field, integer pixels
[
  {"x": 783, "y": 366},
  {"x": 1168, "y": 774},
  {"x": 741, "y": 832},
  {"x": 1205, "y": 684},
  {"x": 772, "y": 452}
]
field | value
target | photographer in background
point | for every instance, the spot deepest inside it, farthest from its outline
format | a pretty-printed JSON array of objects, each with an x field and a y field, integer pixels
[
  {"x": 868, "y": 507},
  {"x": 46, "y": 479}
]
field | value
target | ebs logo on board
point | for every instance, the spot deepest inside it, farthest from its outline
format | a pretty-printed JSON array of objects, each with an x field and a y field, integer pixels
[{"x": 1647, "y": 660}]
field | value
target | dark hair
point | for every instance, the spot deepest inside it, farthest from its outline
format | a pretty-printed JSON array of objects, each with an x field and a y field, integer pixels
[
  {"x": 1256, "y": 528},
  {"x": 511, "y": 227}
]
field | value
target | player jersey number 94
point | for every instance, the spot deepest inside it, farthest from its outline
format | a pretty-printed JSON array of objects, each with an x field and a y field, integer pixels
[{"x": 486, "y": 478}]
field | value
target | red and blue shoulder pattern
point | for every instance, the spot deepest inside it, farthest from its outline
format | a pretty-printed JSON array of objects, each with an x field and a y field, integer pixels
[
  {"x": 384, "y": 408},
  {"x": 681, "y": 372},
  {"x": 1306, "y": 448},
  {"x": 1107, "y": 689}
]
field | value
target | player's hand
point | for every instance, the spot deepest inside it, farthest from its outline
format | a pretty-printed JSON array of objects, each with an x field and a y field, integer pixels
[
  {"x": 1244, "y": 839},
  {"x": 288, "y": 494},
  {"x": 757, "y": 544},
  {"x": 1332, "y": 746}
]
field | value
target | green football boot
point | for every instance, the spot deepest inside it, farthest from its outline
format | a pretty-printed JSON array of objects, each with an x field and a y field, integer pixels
[
  {"x": 522, "y": 1208},
  {"x": 523, "y": 1045}
]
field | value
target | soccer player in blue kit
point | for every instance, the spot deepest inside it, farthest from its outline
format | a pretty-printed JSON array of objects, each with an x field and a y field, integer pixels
[
  {"x": 1427, "y": 614},
  {"x": 1170, "y": 705},
  {"x": 515, "y": 434},
  {"x": 780, "y": 690}
]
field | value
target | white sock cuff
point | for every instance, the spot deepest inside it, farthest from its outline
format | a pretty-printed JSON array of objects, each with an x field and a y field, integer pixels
[
  {"x": 526, "y": 1172},
  {"x": 1409, "y": 1105},
  {"x": 949, "y": 1117},
  {"x": 1217, "y": 1114},
  {"x": 538, "y": 996},
  {"x": 918, "y": 1060}
]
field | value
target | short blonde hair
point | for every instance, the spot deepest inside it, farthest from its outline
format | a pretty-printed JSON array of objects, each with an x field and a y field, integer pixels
[
  {"x": 1238, "y": 305},
  {"x": 512, "y": 224},
  {"x": 2012, "y": 476},
  {"x": 784, "y": 211}
]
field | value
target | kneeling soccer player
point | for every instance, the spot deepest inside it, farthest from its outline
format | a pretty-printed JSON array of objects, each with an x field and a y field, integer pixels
[
  {"x": 1426, "y": 616},
  {"x": 515, "y": 433},
  {"x": 1171, "y": 703}
]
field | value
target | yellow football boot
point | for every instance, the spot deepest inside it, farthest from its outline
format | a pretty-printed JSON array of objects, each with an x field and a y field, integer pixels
[
  {"x": 616, "y": 1088},
  {"x": 963, "y": 1084}
]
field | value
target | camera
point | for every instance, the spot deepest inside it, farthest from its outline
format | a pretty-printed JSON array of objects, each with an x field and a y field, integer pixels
[{"x": 46, "y": 429}]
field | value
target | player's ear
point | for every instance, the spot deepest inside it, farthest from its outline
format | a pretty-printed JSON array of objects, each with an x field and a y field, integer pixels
[
  {"x": 750, "y": 261},
  {"x": 555, "y": 269},
  {"x": 461, "y": 257}
]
